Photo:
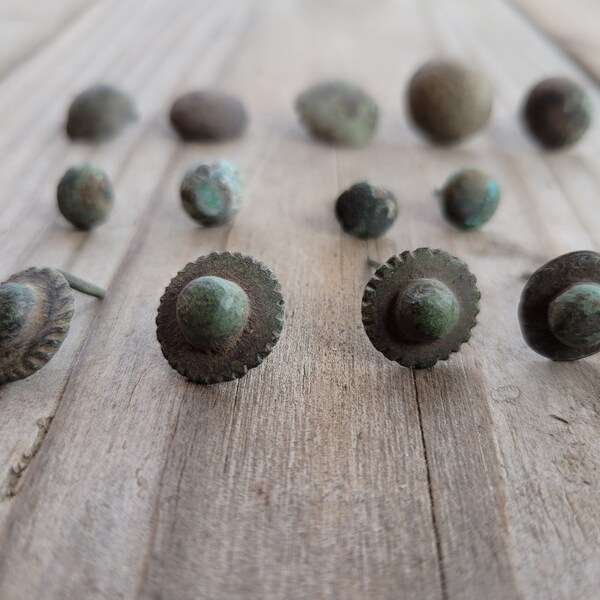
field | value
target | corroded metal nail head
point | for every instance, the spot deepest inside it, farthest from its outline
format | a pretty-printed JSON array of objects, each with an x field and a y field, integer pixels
[
  {"x": 366, "y": 210},
  {"x": 559, "y": 312},
  {"x": 470, "y": 198},
  {"x": 420, "y": 306},
  {"x": 36, "y": 308},
  {"x": 220, "y": 316}
]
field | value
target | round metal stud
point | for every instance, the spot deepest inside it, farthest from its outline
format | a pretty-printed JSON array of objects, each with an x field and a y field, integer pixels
[
  {"x": 220, "y": 316},
  {"x": 36, "y": 308},
  {"x": 559, "y": 310},
  {"x": 420, "y": 306}
]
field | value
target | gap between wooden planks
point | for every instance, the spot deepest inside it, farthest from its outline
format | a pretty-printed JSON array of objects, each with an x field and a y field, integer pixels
[{"x": 328, "y": 472}]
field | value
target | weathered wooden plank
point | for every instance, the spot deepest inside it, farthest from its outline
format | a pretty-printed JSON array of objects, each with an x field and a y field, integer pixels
[
  {"x": 328, "y": 472},
  {"x": 26, "y": 25},
  {"x": 573, "y": 25},
  {"x": 539, "y": 219}
]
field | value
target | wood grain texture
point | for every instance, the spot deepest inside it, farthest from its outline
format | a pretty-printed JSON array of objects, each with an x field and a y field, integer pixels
[
  {"x": 26, "y": 25},
  {"x": 574, "y": 25},
  {"x": 328, "y": 472}
]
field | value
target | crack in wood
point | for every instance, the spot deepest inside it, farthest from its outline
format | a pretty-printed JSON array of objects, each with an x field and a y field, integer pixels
[
  {"x": 436, "y": 532},
  {"x": 12, "y": 482}
]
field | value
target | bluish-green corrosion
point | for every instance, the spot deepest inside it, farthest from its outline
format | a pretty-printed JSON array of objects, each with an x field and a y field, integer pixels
[
  {"x": 85, "y": 196},
  {"x": 338, "y": 112},
  {"x": 425, "y": 310},
  {"x": 211, "y": 311},
  {"x": 574, "y": 316},
  {"x": 470, "y": 198},
  {"x": 211, "y": 193}
]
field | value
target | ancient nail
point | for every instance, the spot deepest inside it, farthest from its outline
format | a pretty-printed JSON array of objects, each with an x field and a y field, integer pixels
[
  {"x": 420, "y": 306},
  {"x": 36, "y": 307},
  {"x": 559, "y": 310},
  {"x": 557, "y": 112},
  {"x": 338, "y": 112},
  {"x": 470, "y": 198},
  {"x": 99, "y": 113},
  {"x": 208, "y": 115},
  {"x": 366, "y": 210},
  {"x": 220, "y": 317},
  {"x": 211, "y": 193},
  {"x": 449, "y": 101},
  {"x": 85, "y": 196}
]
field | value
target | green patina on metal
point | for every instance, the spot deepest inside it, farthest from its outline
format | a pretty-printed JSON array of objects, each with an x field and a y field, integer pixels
[
  {"x": 220, "y": 316},
  {"x": 366, "y": 210},
  {"x": 85, "y": 196},
  {"x": 36, "y": 308},
  {"x": 448, "y": 101},
  {"x": 470, "y": 198},
  {"x": 100, "y": 113},
  {"x": 559, "y": 311},
  {"x": 574, "y": 316},
  {"x": 420, "y": 306},
  {"x": 211, "y": 193},
  {"x": 338, "y": 112},
  {"x": 557, "y": 112},
  {"x": 211, "y": 311},
  {"x": 208, "y": 115},
  {"x": 425, "y": 310}
]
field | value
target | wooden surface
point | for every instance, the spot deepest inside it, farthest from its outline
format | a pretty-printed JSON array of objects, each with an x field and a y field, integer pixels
[
  {"x": 574, "y": 26},
  {"x": 328, "y": 472}
]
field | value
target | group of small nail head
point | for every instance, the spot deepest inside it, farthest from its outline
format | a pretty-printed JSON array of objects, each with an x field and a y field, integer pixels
[{"x": 222, "y": 314}]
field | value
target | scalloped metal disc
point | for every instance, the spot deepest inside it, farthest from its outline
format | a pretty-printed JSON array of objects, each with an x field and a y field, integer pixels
[
  {"x": 545, "y": 285},
  {"x": 49, "y": 316},
  {"x": 385, "y": 285},
  {"x": 256, "y": 341}
]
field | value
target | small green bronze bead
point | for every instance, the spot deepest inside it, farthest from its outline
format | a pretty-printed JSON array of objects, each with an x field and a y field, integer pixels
[
  {"x": 420, "y": 306},
  {"x": 208, "y": 115},
  {"x": 559, "y": 310},
  {"x": 366, "y": 210},
  {"x": 220, "y": 316},
  {"x": 85, "y": 196},
  {"x": 448, "y": 101},
  {"x": 211, "y": 311},
  {"x": 211, "y": 193},
  {"x": 339, "y": 113},
  {"x": 557, "y": 112},
  {"x": 470, "y": 199},
  {"x": 99, "y": 113},
  {"x": 36, "y": 308}
]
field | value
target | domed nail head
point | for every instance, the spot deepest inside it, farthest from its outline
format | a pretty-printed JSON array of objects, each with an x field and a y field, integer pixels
[
  {"x": 36, "y": 308},
  {"x": 85, "y": 196},
  {"x": 470, "y": 199},
  {"x": 339, "y": 113},
  {"x": 448, "y": 102},
  {"x": 366, "y": 211},
  {"x": 212, "y": 312},
  {"x": 208, "y": 115},
  {"x": 212, "y": 192},
  {"x": 559, "y": 312},
  {"x": 420, "y": 306},
  {"x": 239, "y": 321},
  {"x": 99, "y": 113},
  {"x": 557, "y": 112}
]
